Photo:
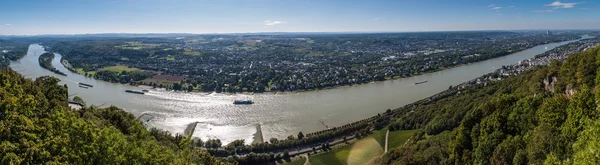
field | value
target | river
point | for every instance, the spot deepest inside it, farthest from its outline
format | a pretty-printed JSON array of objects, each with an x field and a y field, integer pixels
[{"x": 279, "y": 114}]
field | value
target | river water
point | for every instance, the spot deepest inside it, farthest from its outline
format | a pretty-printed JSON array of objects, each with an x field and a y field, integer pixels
[{"x": 279, "y": 114}]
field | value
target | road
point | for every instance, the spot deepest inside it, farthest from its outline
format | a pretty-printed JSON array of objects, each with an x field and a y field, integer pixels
[
  {"x": 307, "y": 159},
  {"x": 387, "y": 134}
]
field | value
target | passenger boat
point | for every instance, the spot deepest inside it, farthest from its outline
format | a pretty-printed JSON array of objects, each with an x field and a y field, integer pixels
[
  {"x": 243, "y": 102},
  {"x": 83, "y": 86},
  {"x": 136, "y": 92},
  {"x": 417, "y": 83}
]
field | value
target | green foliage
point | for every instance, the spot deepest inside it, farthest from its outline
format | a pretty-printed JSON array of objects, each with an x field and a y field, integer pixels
[
  {"x": 37, "y": 127},
  {"x": 514, "y": 121},
  {"x": 587, "y": 146},
  {"x": 45, "y": 61},
  {"x": 123, "y": 76},
  {"x": 398, "y": 138},
  {"x": 79, "y": 100}
]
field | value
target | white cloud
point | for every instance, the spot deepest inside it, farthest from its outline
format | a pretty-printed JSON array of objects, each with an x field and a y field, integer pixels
[
  {"x": 558, "y": 4},
  {"x": 7, "y": 24},
  {"x": 511, "y": 6},
  {"x": 375, "y": 19},
  {"x": 543, "y": 11},
  {"x": 273, "y": 23},
  {"x": 494, "y": 7}
]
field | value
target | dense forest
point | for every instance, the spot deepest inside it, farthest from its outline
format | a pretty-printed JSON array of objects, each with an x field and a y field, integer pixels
[
  {"x": 37, "y": 127},
  {"x": 45, "y": 61},
  {"x": 10, "y": 50},
  {"x": 548, "y": 115}
]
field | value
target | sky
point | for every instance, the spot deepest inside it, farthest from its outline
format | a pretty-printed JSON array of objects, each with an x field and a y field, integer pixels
[{"x": 33, "y": 17}]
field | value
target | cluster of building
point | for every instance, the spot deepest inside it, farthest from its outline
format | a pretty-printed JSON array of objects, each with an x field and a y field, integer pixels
[
  {"x": 257, "y": 63},
  {"x": 559, "y": 54}
]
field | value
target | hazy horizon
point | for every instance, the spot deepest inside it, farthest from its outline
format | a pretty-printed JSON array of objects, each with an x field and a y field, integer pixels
[
  {"x": 53, "y": 17},
  {"x": 294, "y": 32}
]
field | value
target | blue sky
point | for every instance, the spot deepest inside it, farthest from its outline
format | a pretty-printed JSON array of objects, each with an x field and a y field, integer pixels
[{"x": 30, "y": 17}]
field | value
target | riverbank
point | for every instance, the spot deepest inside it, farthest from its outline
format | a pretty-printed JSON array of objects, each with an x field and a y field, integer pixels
[
  {"x": 557, "y": 54},
  {"x": 392, "y": 78},
  {"x": 281, "y": 114},
  {"x": 45, "y": 61}
]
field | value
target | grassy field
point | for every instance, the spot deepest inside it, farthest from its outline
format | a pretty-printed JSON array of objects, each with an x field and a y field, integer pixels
[
  {"x": 119, "y": 68},
  {"x": 299, "y": 161},
  {"x": 80, "y": 71},
  {"x": 358, "y": 152},
  {"x": 379, "y": 136},
  {"x": 362, "y": 151},
  {"x": 397, "y": 138},
  {"x": 190, "y": 52},
  {"x": 170, "y": 58},
  {"x": 332, "y": 157}
]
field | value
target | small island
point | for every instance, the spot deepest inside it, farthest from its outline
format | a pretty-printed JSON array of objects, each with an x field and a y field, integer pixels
[{"x": 45, "y": 61}]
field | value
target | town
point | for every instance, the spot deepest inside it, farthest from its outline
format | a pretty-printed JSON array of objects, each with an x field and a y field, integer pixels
[
  {"x": 285, "y": 62},
  {"x": 557, "y": 55}
]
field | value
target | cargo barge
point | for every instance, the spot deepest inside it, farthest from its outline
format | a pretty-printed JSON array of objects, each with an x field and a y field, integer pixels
[
  {"x": 417, "y": 83},
  {"x": 135, "y": 92},
  {"x": 243, "y": 102},
  {"x": 84, "y": 84}
]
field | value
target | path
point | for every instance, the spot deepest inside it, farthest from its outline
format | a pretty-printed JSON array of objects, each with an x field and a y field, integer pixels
[
  {"x": 258, "y": 136},
  {"x": 387, "y": 134},
  {"x": 307, "y": 160},
  {"x": 189, "y": 130}
]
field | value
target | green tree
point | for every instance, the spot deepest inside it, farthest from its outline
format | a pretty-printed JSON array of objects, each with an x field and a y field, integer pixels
[
  {"x": 286, "y": 154},
  {"x": 300, "y": 135},
  {"x": 587, "y": 146},
  {"x": 79, "y": 100}
]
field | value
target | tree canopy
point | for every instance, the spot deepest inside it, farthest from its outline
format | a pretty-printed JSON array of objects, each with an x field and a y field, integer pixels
[
  {"x": 516, "y": 121},
  {"x": 37, "y": 127}
]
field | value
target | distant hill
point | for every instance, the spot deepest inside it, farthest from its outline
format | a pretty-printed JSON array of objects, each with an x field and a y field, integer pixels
[{"x": 548, "y": 115}]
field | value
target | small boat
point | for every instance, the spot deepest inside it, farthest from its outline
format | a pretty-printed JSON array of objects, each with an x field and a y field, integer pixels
[
  {"x": 417, "y": 83},
  {"x": 243, "y": 102},
  {"x": 84, "y": 84},
  {"x": 135, "y": 92}
]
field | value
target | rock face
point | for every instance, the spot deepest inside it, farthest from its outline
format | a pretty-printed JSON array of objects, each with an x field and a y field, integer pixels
[
  {"x": 569, "y": 91},
  {"x": 549, "y": 83}
]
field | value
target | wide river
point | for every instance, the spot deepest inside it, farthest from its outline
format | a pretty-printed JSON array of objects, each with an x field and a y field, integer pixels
[{"x": 280, "y": 114}]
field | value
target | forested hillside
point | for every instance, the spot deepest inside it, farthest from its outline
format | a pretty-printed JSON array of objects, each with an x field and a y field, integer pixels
[
  {"x": 11, "y": 51},
  {"x": 548, "y": 115},
  {"x": 37, "y": 127}
]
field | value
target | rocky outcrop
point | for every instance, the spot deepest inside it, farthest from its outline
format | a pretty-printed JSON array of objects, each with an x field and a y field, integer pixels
[
  {"x": 569, "y": 91},
  {"x": 549, "y": 83}
]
